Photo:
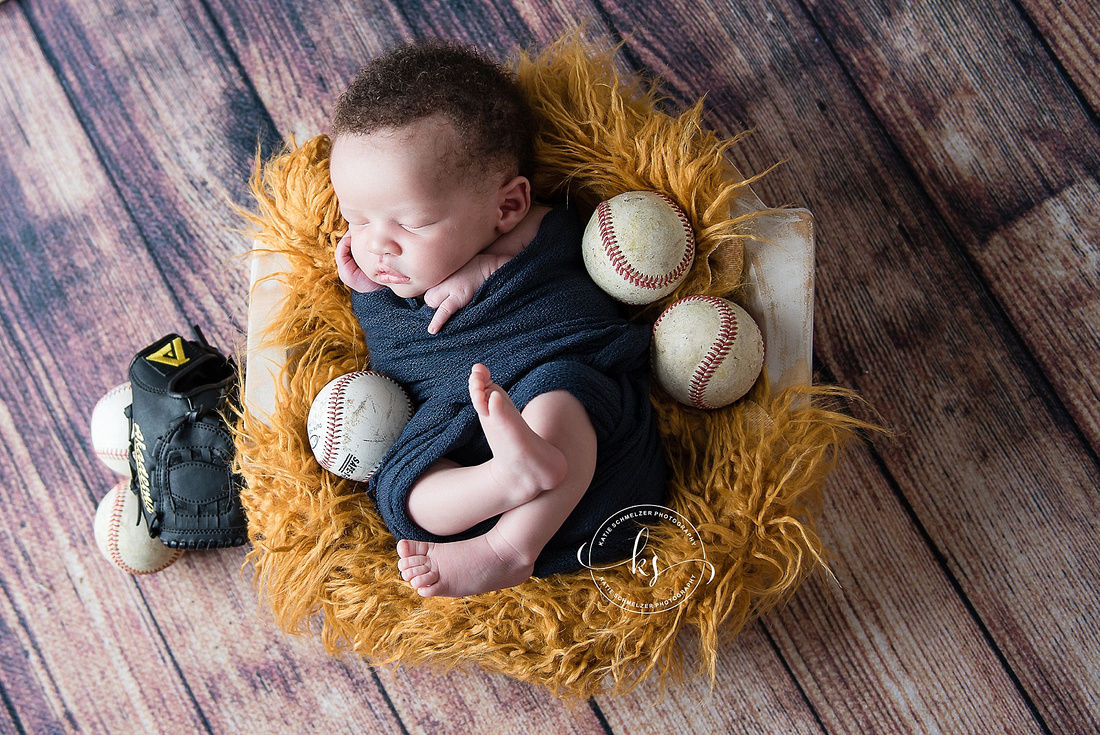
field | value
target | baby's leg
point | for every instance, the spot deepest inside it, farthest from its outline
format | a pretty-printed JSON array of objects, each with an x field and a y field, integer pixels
[
  {"x": 505, "y": 556},
  {"x": 449, "y": 499}
]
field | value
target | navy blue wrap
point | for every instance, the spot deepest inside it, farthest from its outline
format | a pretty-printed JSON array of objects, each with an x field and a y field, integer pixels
[{"x": 540, "y": 324}]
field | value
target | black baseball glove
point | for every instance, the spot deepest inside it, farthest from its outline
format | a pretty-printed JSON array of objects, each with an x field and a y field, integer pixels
[{"x": 181, "y": 452}]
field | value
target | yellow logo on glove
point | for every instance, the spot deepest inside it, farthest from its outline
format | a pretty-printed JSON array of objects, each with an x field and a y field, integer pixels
[{"x": 171, "y": 354}]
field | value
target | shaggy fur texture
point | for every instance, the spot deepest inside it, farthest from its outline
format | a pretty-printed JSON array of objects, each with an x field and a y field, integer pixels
[{"x": 748, "y": 476}]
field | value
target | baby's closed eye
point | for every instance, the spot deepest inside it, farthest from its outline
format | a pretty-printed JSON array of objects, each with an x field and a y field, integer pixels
[{"x": 417, "y": 228}]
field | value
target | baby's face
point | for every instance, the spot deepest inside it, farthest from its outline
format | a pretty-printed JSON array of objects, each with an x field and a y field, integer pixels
[{"x": 411, "y": 223}]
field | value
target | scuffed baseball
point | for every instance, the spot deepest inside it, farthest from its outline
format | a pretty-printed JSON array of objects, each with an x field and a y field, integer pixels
[
  {"x": 110, "y": 429},
  {"x": 638, "y": 246},
  {"x": 123, "y": 540},
  {"x": 354, "y": 421},
  {"x": 707, "y": 352}
]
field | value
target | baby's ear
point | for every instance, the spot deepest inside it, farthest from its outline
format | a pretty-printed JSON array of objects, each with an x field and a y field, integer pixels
[{"x": 514, "y": 202}]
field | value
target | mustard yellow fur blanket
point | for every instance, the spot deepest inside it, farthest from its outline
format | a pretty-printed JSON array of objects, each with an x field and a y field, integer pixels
[{"x": 747, "y": 477}]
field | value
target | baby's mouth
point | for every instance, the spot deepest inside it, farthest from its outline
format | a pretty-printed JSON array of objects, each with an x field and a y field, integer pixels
[{"x": 385, "y": 274}]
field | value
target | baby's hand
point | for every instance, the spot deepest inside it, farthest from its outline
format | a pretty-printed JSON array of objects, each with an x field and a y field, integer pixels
[
  {"x": 458, "y": 288},
  {"x": 349, "y": 271}
]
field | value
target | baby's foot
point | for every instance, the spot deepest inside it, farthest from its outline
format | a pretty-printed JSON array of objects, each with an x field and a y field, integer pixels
[
  {"x": 523, "y": 462},
  {"x": 461, "y": 568}
]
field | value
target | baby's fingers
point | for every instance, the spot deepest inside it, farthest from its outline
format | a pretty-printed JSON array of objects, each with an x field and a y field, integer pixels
[
  {"x": 345, "y": 263},
  {"x": 434, "y": 296},
  {"x": 349, "y": 271},
  {"x": 443, "y": 312},
  {"x": 343, "y": 250}
]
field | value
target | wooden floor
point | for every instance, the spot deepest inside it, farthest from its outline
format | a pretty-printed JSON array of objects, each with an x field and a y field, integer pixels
[{"x": 949, "y": 151}]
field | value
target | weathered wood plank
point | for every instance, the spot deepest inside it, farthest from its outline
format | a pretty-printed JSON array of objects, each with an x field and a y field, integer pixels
[
  {"x": 937, "y": 674},
  {"x": 903, "y": 318},
  {"x": 299, "y": 59},
  {"x": 28, "y": 706},
  {"x": 1047, "y": 266},
  {"x": 300, "y": 56},
  {"x": 992, "y": 131},
  {"x": 752, "y": 693},
  {"x": 184, "y": 650},
  {"x": 984, "y": 79},
  {"x": 74, "y": 269},
  {"x": 60, "y": 598},
  {"x": 243, "y": 672},
  {"x": 1072, "y": 30},
  {"x": 176, "y": 127},
  {"x": 472, "y": 701}
]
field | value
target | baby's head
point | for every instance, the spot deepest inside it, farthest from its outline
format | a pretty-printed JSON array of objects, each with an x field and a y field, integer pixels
[
  {"x": 478, "y": 97},
  {"x": 432, "y": 143}
]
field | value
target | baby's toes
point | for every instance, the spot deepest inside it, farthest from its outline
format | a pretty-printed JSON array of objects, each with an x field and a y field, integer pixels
[
  {"x": 427, "y": 578},
  {"x": 414, "y": 567},
  {"x": 407, "y": 548},
  {"x": 479, "y": 391}
]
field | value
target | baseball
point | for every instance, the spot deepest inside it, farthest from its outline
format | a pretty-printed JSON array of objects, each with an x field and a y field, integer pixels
[
  {"x": 707, "y": 351},
  {"x": 638, "y": 246},
  {"x": 124, "y": 541},
  {"x": 110, "y": 429},
  {"x": 354, "y": 421}
]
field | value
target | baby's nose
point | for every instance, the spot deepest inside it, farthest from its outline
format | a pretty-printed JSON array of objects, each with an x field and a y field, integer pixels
[{"x": 380, "y": 242}]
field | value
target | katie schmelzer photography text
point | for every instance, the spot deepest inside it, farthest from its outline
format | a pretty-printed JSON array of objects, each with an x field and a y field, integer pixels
[{"x": 666, "y": 583}]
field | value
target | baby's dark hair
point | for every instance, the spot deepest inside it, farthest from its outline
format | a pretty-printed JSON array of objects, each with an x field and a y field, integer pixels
[{"x": 478, "y": 96}]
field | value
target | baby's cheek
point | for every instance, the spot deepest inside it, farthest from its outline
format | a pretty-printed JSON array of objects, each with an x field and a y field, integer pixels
[{"x": 359, "y": 252}]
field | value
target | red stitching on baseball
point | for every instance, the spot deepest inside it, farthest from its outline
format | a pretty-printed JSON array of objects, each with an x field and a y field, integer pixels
[
  {"x": 108, "y": 452},
  {"x": 112, "y": 529},
  {"x": 618, "y": 259},
  {"x": 112, "y": 536},
  {"x": 408, "y": 408},
  {"x": 335, "y": 419},
  {"x": 408, "y": 401},
  {"x": 723, "y": 342}
]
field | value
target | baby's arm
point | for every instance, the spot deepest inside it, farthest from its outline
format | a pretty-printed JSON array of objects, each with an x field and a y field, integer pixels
[
  {"x": 457, "y": 289},
  {"x": 349, "y": 271}
]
